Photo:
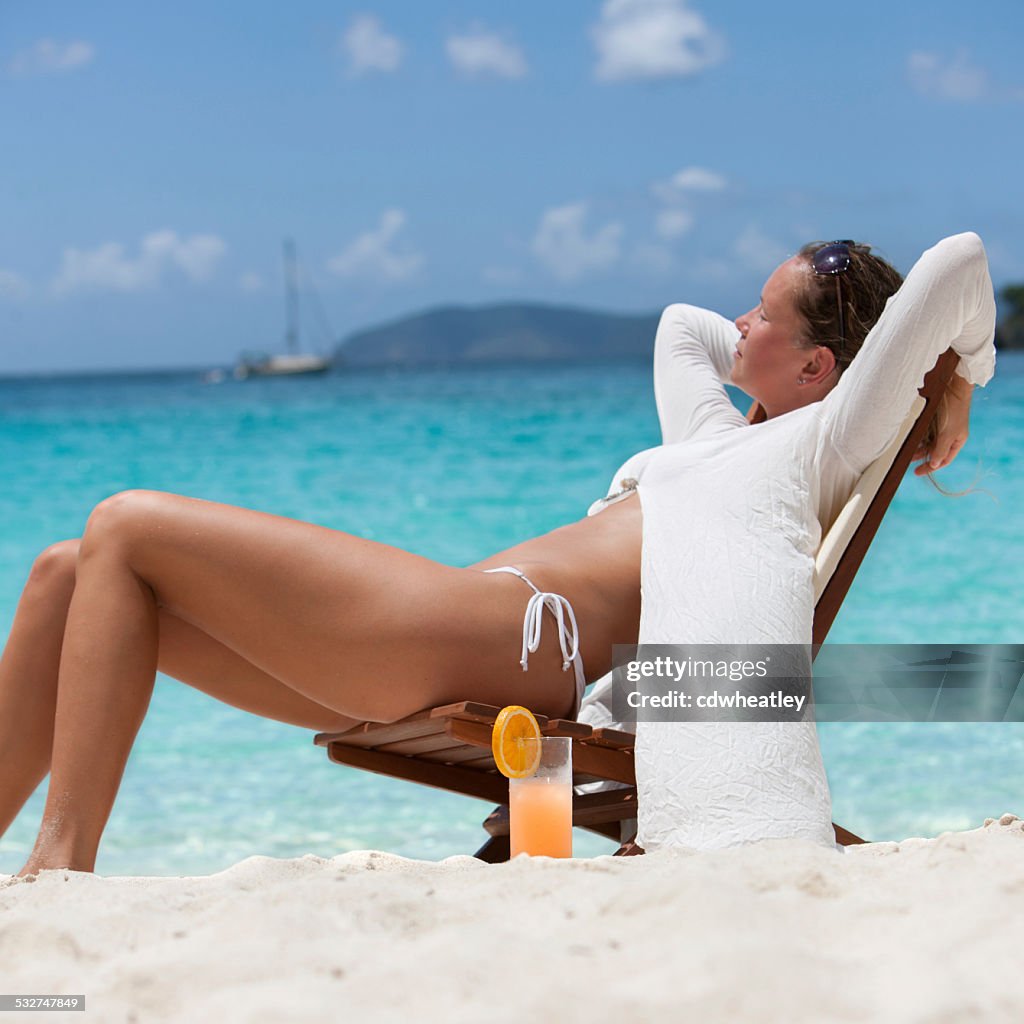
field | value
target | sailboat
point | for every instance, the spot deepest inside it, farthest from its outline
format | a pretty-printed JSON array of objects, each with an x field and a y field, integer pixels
[{"x": 293, "y": 361}]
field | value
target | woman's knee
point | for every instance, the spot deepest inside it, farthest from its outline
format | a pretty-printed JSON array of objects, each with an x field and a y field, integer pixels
[
  {"x": 117, "y": 520},
  {"x": 54, "y": 568}
]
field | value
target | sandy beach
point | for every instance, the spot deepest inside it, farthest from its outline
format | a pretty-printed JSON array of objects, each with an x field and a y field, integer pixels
[{"x": 926, "y": 930}]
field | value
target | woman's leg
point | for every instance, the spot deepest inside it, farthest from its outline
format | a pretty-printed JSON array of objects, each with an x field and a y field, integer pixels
[
  {"x": 368, "y": 631},
  {"x": 28, "y": 680},
  {"x": 31, "y": 658}
]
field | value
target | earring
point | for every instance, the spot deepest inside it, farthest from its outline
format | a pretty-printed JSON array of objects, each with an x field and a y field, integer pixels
[{"x": 801, "y": 381}]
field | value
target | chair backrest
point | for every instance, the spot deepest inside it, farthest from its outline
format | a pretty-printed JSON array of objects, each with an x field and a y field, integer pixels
[
  {"x": 846, "y": 567},
  {"x": 842, "y": 531},
  {"x": 847, "y": 541}
]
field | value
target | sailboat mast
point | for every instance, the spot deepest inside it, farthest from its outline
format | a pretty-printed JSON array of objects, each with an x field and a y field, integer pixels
[{"x": 291, "y": 289}]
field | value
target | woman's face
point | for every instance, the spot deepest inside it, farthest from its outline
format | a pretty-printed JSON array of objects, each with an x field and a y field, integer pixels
[{"x": 770, "y": 354}]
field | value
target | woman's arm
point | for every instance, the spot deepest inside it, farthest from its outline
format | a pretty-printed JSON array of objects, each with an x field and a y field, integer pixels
[
  {"x": 692, "y": 358},
  {"x": 946, "y": 300},
  {"x": 692, "y": 361}
]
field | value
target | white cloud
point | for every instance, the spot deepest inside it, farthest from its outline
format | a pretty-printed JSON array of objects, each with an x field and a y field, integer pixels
[
  {"x": 369, "y": 48},
  {"x": 953, "y": 79},
  {"x": 758, "y": 251},
  {"x": 677, "y": 193},
  {"x": 562, "y": 245},
  {"x": 375, "y": 255},
  {"x": 681, "y": 186},
  {"x": 197, "y": 257},
  {"x": 47, "y": 57},
  {"x": 653, "y": 39},
  {"x": 107, "y": 267},
  {"x": 478, "y": 52},
  {"x": 673, "y": 222},
  {"x": 695, "y": 179},
  {"x": 12, "y": 285},
  {"x": 250, "y": 281}
]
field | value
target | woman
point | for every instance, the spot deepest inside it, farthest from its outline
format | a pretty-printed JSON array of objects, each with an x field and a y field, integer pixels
[
  {"x": 319, "y": 628},
  {"x": 753, "y": 501}
]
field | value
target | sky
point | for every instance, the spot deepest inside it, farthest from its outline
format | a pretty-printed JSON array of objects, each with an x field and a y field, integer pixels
[{"x": 610, "y": 154}]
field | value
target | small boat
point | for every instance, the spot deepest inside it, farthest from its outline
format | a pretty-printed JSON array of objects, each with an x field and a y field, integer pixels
[
  {"x": 280, "y": 366},
  {"x": 293, "y": 361}
]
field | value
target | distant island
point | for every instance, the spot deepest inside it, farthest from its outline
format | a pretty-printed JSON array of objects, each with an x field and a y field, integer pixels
[
  {"x": 1010, "y": 329},
  {"x": 498, "y": 334},
  {"x": 535, "y": 332}
]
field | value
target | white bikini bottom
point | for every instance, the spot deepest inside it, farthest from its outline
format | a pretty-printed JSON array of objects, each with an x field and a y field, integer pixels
[{"x": 568, "y": 633}]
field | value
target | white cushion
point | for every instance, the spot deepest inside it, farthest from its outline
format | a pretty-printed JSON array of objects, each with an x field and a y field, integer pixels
[{"x": 842, "y": 530}]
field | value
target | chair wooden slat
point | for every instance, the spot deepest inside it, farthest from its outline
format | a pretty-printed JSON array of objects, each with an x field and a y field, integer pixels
[
  {"x": 463, "y": 754},
  {"x": 589, "y": 809},
  {"x": 479, "y": 733},
  {"x": 615, "y": 738},
  {"x": 439, "y": 744},
  {"x": 471, "y": 711},
  {"x": 483, "y": 786},
  {"x": 844, "y": 837},
  {"x": 592, "y": 758},
  {"x": 566, "y": 727},
  {"x": 605, "y": 763},
  {"x": 374, "y": 734}
]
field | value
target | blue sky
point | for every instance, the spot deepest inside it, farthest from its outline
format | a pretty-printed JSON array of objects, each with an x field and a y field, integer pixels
[{"x": 617, "y": 154}]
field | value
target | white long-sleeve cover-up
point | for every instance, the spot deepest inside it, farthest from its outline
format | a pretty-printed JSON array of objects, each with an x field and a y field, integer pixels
[{"x": 732, "y": 519}]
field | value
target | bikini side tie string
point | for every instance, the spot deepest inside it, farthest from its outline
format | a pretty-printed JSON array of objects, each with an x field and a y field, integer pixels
[{"x": 533, "y": 624}]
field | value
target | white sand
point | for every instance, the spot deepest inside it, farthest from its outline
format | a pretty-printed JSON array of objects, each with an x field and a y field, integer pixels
[{"x": 920, "y": 931}]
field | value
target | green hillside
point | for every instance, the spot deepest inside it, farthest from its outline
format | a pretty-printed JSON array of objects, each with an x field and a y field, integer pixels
[{"x": 500, "y": 333}]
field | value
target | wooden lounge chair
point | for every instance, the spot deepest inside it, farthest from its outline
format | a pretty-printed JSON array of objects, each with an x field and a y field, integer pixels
[{"x": 450, "y": 747}]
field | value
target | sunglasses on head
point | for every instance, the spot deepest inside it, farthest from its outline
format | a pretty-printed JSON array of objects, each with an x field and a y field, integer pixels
[{"x": 834, "y": 259}]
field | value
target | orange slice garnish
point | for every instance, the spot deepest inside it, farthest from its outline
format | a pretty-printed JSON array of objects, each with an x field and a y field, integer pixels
[{"x": 515, "y": 759}]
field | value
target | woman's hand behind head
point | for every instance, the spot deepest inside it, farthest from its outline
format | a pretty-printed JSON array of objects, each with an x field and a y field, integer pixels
[{"x": 948, "y": 435}]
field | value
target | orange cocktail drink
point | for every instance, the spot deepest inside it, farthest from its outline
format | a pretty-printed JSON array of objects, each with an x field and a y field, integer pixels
[{"x": 540, "y": 805}]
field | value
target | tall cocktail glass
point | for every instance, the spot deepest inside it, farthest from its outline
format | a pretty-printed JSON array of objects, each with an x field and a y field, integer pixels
[{"x": 540, "y": 806}]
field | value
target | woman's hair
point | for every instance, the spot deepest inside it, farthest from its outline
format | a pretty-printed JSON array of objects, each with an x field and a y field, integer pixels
[{"x": 865, "y": 287}]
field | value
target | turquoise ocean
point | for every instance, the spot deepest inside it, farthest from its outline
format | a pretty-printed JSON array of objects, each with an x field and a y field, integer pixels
[{"x": 456, "y": 465}]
